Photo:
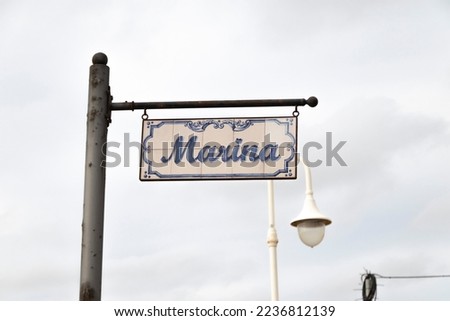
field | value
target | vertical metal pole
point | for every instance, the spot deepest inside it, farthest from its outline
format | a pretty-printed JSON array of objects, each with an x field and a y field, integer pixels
[
  {"x": 98, "y": 117},
  {"x": 272, "y": 241}
]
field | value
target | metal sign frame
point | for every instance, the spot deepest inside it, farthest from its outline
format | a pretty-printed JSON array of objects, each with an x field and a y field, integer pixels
[{"x": 286, "y": 168}]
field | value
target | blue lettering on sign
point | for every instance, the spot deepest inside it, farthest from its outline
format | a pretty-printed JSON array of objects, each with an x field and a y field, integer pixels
[{"x": 235, "y": 152}]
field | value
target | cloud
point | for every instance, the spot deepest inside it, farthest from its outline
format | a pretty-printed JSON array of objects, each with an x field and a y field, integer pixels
[
  {"x": 378, "y": 70},
  {"x": 435, "y": 216}
]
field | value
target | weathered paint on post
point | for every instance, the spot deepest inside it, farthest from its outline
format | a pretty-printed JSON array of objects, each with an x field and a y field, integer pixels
[{"x": 98, "y": 118}]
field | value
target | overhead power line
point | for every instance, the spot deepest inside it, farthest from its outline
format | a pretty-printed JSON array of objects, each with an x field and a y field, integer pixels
[
  {"x": 413, "y": 276},
  {"x": 369, "y": 290}
]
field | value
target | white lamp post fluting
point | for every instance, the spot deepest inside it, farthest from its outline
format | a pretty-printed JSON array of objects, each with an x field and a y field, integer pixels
[{"x": 272, "y": 241}]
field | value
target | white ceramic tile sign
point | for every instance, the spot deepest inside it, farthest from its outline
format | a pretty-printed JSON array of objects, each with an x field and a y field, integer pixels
[{"x": 227, "y": 148}]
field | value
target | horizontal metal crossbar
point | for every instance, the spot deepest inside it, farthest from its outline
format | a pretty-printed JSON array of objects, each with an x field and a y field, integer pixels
[{"x": 311, "y": 101}]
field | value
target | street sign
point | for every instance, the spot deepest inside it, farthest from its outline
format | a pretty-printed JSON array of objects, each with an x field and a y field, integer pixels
[
  {"x": 225, "y": 148},
  {"x": 190, "y": 149}
]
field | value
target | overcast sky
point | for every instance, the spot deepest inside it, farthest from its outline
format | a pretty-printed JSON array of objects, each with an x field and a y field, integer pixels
[{"x": 381, "y": 72}]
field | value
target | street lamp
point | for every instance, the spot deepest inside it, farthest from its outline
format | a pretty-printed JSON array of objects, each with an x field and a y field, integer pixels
[{"x": 310, "y": 223}]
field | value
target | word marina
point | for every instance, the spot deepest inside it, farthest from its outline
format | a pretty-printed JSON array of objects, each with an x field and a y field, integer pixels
[{"x": 235, "y": 152}]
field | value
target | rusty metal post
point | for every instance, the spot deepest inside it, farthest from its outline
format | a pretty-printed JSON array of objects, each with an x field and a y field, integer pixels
[{"x": 98, "y": 118}]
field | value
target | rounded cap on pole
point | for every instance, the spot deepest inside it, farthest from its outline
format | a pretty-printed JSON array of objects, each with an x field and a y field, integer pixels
[
  {"x": 312, "y": 101},
  {"x": 99, "y": 59}
]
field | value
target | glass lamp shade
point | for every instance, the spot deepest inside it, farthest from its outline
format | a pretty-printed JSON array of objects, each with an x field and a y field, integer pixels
[
  {"x": 311, "y": 223},
  {"x": 311, "y": 232}
]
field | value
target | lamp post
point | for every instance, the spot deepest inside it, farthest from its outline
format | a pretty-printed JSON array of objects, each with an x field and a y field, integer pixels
[
  {"x": 272, "y": 241},
  {"x": 310, "y": 224}
]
